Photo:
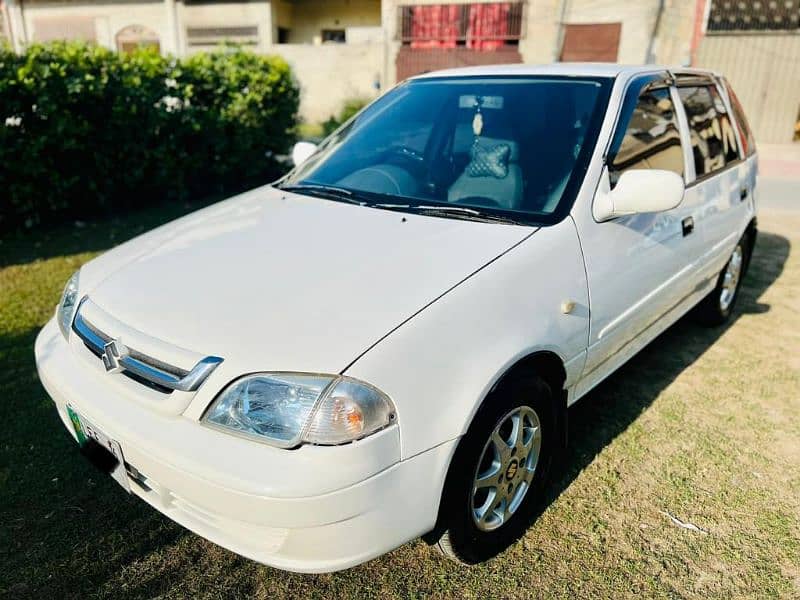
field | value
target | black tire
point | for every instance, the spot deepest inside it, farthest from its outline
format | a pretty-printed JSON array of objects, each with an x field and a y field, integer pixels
[
  {"x": 716, "y": 309},
  {"x": 461, "y": 539}
]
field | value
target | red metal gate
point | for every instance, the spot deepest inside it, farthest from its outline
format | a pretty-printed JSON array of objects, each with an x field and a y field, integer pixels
[
  {"x": 595, "y": 42},
  {"x": 412, "y": 61},
  {"x": 441, "y": 36}
]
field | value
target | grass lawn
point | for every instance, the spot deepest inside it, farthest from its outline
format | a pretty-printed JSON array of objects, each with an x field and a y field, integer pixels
[{"x": 703, "y": 425}]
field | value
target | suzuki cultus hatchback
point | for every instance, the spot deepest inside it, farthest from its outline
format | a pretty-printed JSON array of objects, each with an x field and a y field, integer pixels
[{"x": 384, "y": 343}]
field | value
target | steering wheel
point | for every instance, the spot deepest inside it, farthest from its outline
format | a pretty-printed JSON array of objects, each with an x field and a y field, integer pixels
[
  {"x": 407, "y": 153},
  {"x": 478, "y": 201}
]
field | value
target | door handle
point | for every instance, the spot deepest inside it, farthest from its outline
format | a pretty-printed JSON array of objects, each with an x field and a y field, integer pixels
[
  {"x": 743, "y": 194},
  {"x": 687, "y": 225}
]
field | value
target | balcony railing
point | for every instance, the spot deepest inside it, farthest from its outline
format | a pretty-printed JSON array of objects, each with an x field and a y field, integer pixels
[{"x": 484, "y": 25}]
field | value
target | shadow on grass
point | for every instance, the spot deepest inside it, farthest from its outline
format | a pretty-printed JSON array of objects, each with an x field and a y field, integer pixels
[
  {"x": 67, "y": 530},
  {"x": 614, "y": 404}
]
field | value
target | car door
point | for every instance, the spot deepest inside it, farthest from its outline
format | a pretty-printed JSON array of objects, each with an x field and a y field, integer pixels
[
  {"x": 638, "y": 266},
  {"x": 719, "y": 186}
]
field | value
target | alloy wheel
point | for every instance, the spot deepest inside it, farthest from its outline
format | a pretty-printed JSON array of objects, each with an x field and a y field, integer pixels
[
  {"x": 730, "y": 279},
  {"x": 506, "y": 468}
]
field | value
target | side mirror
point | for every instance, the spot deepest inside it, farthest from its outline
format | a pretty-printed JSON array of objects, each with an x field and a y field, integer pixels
[
  {"x": 639, "y": 191},
  {"x": 301, "y": 152}
]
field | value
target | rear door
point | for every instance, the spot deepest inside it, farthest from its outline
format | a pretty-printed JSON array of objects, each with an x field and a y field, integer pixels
[
  {"x": 718, "y": 185},
  {"x": 747, "y": 143}
]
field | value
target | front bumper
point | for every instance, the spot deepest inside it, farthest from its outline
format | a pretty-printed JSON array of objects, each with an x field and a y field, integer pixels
[{"x": 267, "y": 504}]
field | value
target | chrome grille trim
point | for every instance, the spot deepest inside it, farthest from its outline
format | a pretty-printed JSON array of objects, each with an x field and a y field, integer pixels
[{"x": 149, "y": 369}]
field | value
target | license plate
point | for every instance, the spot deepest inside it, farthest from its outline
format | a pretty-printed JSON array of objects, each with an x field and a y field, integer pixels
[{"x": 85, "y": 431}]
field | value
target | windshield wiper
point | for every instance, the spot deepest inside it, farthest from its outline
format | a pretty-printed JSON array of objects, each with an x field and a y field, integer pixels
[
  {"x": 324, "y": 191},
  {"x": 333, "y": 192},
  {"x": 458, "y": 212}
]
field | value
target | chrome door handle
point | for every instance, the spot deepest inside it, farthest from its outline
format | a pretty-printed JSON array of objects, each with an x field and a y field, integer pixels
[{"x": 687, "y": 225}]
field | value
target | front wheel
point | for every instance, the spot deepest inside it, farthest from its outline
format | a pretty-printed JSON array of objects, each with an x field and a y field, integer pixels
[
  {"x": 498, "y": 472},
  {"x": 716, "y": 308}
]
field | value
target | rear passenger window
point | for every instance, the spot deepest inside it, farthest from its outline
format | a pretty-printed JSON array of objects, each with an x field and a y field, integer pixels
[
  {"x": 651, "y": 139},
  {"x": 745, "y": 134},
  {"x": 713, "y": 138}
]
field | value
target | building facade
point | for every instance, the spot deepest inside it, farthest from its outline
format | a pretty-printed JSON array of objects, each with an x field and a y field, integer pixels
[
  {"x": 342, "y": 49},
  {"x": 361, "y": 46},
  {"x": 757, "y": 46},
  {"x": 335, "y": 47}
]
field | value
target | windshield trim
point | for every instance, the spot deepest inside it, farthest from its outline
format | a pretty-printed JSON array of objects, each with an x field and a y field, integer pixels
[{"x": 498, "y": 215}]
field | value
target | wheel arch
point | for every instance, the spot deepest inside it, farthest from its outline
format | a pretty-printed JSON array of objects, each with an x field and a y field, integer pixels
[
  {"x": 549, "y": 366},
  {"x": 544, "y": 363}
]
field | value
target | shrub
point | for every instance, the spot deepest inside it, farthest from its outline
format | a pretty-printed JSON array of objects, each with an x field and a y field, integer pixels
[
  {"x": 84, "y": 130},
  {"x": 350, "y": 107}
]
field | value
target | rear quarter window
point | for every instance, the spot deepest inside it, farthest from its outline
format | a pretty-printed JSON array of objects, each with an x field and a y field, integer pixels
[{"x": 745, "y": 133}]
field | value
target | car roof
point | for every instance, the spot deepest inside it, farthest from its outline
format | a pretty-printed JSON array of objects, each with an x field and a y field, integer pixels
[{"x": 592, "y": 69}]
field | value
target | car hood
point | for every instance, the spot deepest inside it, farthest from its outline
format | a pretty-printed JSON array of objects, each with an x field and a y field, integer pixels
[{"x": 271, "y": 280}]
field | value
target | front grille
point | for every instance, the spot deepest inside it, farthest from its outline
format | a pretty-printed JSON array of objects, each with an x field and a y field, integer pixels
[
  {"x": 98, "y": 352},
  {"x": 147, "y": 383},
  {"x": 145, "y": 370}
]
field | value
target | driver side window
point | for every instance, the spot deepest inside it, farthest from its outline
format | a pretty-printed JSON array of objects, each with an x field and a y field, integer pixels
[
  {"x": 412, "y": 135},
  {"x": 651, "y": 138}
]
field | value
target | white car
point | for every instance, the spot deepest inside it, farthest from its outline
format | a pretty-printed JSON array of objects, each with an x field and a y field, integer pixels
[{"x": 384, "y": 343}]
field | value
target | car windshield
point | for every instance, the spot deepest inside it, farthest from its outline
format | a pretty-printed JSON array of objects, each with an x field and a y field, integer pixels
[{"x": 505, "y": 148}]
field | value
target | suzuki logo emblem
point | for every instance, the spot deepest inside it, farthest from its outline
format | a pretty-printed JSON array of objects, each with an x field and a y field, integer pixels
[{"x": 113, "y": 353}]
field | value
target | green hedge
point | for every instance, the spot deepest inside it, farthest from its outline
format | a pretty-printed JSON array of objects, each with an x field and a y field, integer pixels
[{"x": 85, "y": 131}]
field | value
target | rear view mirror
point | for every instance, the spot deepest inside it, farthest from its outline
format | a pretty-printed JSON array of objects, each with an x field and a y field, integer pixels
[
  {"x": 301, "y": 152},
  {"x": 639, "y": 191}
]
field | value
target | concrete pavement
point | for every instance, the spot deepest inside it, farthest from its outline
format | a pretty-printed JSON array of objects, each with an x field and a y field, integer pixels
[
  {"x": 779, "y": 176},
  {"x": 780, "y": 161},
  {"x": 779, "y": 193}
]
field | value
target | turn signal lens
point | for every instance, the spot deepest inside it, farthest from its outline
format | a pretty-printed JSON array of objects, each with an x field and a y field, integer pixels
[{"x": 350, "y": 411}]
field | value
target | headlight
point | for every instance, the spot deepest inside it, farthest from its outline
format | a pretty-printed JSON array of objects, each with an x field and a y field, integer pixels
[
  {"x": 287, "y": 409},
  {"x": 66, "y": 308}
]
